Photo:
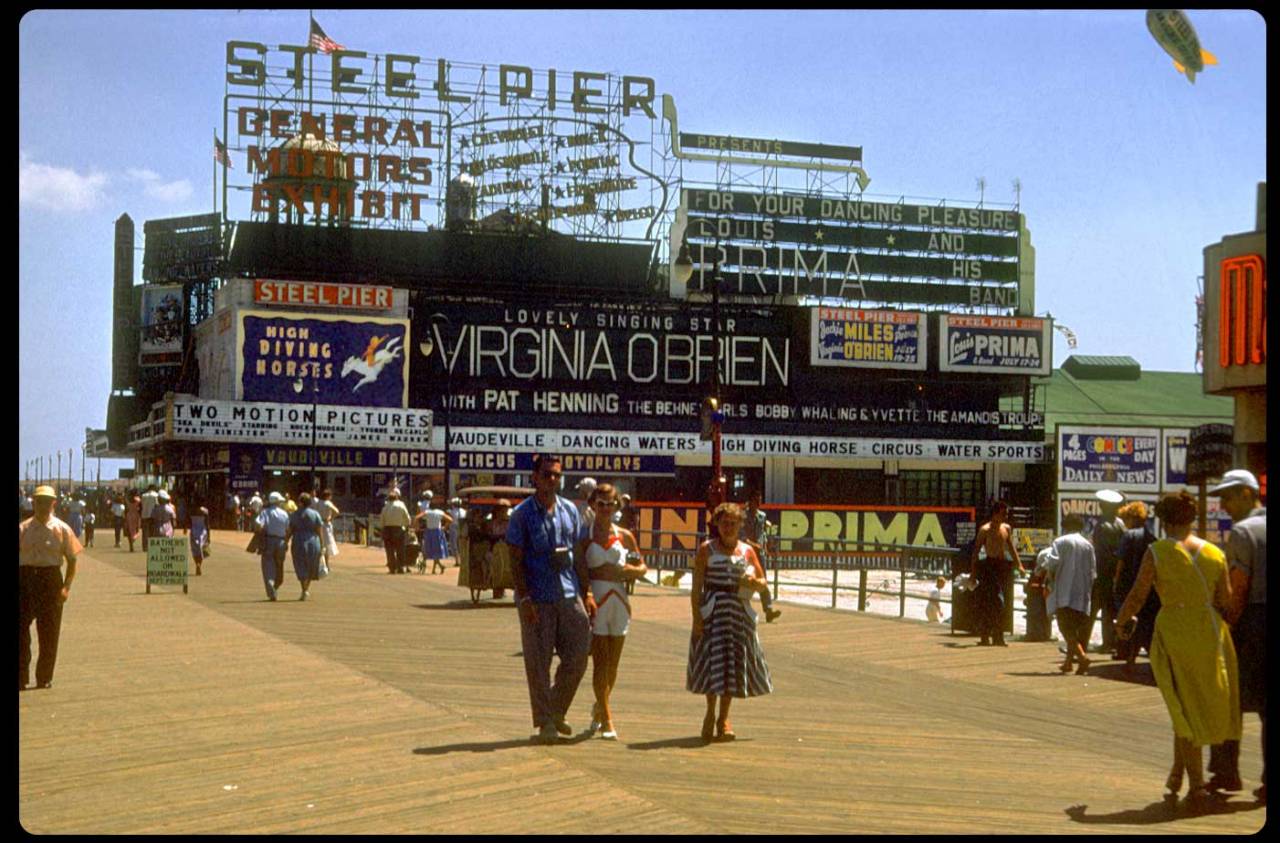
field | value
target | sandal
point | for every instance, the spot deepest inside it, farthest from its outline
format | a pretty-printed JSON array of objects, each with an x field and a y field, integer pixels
[
  {"x": 1173, "y": 784},
  {"x": 708, "y": 726},
  {"x": 1197, "y": 798},
  {"x": 596, "y": 722}
]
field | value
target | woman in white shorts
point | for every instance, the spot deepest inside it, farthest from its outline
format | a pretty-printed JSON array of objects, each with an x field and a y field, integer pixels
[{"x": 613, "y": 558}]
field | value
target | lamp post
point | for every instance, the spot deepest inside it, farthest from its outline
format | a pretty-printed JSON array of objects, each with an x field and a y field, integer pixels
[
  {"x": 297, "y": 387},
  {"x": 713, "y": 416},
  {"x": 426, "y": 347}
]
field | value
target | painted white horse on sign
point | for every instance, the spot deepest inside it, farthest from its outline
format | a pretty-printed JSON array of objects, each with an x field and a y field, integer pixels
[{"x": 375, "y": 358}]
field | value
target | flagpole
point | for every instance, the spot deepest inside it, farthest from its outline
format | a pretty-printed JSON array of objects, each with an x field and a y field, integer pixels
[
  {"x": 311, "y": 56},
  {"x": 215, "y": 171}
]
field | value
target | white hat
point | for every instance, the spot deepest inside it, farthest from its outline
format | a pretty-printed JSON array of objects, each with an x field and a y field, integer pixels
[
  {"x": 428, "y": 494},
  {"x": 275, "y": 497},
  {"x": 1236, "y": 477},
  {"x": 587, "y": 485},
  {"x": 1109, "y": 496},
  {"x": 394, "y": 493},
  {"x": 164, "y": 496}
]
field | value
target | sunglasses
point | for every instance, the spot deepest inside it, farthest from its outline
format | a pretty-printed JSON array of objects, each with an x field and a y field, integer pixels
[
  {"x": 603, "y": 504},
  {"x": 550, "y": 475}
]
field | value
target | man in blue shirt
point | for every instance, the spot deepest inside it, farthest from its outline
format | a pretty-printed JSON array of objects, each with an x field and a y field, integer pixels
[
  {"x": 550, "y": 588},
  {"x": 273, "y": 523}
]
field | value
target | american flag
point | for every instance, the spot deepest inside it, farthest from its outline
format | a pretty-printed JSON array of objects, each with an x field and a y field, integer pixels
[
  {"x": 322, "y": 42},
  {"x": 220, "y": 153}
]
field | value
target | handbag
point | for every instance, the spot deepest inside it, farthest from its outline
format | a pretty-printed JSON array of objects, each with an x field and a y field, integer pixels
[
  {"x": 324, "y": 569},
  {"x": 255, "y": 544}
]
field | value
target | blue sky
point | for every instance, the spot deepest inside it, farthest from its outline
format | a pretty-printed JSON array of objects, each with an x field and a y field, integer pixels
[{"x": 1127, "y": 170}]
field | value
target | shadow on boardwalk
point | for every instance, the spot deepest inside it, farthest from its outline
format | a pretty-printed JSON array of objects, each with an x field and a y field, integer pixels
[{"x": 1166, "y": 810}]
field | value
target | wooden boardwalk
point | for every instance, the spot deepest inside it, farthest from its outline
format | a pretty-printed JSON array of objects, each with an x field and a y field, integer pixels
[{"x": 389, "y": 704}]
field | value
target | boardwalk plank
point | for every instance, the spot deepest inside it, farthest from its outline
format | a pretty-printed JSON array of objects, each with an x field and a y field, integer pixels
[{"x": 389, "y": 704}]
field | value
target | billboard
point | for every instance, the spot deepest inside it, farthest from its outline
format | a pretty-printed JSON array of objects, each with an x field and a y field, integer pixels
[
  {"x": 1210, "y": 451},
  {"x": 591, "y": 366},
  {"x": 868, "y": 339},
  {"x": 808, "y": 528},
  {"x": 346, "y": 360},
  {"x": 319, "y": 294},
  {"x": 785, "y": 244},
  {"x": 1002, "y": 345},
  {"x": 1125, "y": 459},
  {"x": 414, "y": 461},
  {"x": 160, "y": 325},
  {"x": 1174, "y": 444},
  {"x": 206, "y": 420},
  {"x": 483, "y": 141}
]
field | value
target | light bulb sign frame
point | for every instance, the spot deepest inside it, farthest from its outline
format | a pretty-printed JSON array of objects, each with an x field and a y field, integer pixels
[{"x": 388, "y": 132}]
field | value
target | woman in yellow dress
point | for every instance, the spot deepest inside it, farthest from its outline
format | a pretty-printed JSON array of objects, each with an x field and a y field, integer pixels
[{"x": 1192, "y": 656}]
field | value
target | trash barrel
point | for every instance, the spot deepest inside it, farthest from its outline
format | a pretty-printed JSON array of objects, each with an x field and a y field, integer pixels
[
  {"x": 360, "y": 530},
  {"x": 963, "y": 615},
  {"x": 1038, "y": 627}
]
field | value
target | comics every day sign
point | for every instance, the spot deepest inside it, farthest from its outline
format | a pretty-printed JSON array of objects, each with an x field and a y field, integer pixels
[{"x": 1125, "y": 459}]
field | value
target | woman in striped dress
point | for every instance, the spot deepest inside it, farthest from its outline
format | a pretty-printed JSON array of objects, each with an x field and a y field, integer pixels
[{"x": 725, "y": 658}]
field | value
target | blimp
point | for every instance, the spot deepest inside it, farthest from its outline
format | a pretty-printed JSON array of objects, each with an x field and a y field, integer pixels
[{"x": 1175, "y": 34}]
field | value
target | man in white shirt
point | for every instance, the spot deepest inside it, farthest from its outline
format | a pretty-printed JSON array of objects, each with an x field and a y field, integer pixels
[
  {"x": 1072, "y": 569},
  {"x": 44, "y": 543},
  {"x": 149, "y": 499},
  {"x": 395, "y": 520},
  {"x": 117, "y": 517}
]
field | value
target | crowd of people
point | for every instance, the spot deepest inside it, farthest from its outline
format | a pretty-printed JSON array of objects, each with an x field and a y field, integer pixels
[{"x": 1198, "y": 610}]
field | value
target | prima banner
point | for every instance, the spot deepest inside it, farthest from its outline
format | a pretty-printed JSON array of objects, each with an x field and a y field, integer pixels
[
  {"x": 868, "y": 339},
  {"x": 345, "y": 360},
  {"x": 805, "y": 529},
  {"x": 1125, "y": 459},
  {"x": 1012, "y": 345}
]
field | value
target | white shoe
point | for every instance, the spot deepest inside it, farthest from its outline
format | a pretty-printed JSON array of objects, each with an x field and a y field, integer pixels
[{"x": 610, "y": 734}]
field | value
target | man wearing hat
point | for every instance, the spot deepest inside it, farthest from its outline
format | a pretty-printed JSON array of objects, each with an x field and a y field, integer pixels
[
  {"x": 43, "y": 542},
  {"x": 1247, "y": 614},
  {"x": 273, "y": 523},
  {"x": 1107, "y": 534},
  {"x": 395, "y": 520}
]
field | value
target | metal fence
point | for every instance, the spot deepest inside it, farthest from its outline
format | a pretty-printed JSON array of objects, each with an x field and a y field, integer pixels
[{"x": 883, "y": 569}]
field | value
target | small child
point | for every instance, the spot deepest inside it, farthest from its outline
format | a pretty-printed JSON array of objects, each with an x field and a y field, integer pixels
[{"x": 933, "y": 611}]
